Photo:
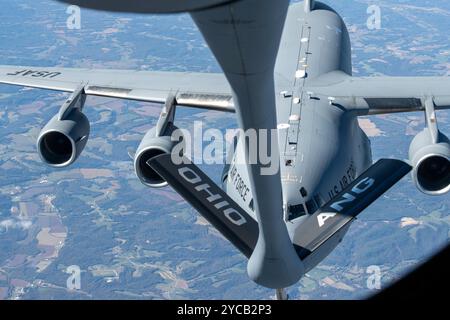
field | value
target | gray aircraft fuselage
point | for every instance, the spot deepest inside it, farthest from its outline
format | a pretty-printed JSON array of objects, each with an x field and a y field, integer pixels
[
  {"x": 322, "y": 147},
  {"x": 286, "y": 69}
]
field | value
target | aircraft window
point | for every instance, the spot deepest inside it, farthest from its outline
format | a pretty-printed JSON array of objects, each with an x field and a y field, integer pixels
[
  {"x": 303, "y": 192},
  {"x": 312, "y": 206},
  {"x": 251, "y": 205},
  {"x": 296, "y": 211}
]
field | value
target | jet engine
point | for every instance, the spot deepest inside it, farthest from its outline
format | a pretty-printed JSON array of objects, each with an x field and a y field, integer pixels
[
  {"x": 161, "y": 139},
  {"x": 431, "y": 163},
  {"x": 152, "y": 145},
  {"x": 64, "y": 137}
]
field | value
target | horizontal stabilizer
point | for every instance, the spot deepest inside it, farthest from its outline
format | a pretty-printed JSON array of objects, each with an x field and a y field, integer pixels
[
  {"x": 318, "y": 228},
  {"x": 210, "y": 201}
]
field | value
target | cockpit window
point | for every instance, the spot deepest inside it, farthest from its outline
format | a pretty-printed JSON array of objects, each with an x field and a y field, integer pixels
[
  {"x": 302, "y": 209},
  {"x": 319, "y": 200},
  {"x": 312, "y": 206}
]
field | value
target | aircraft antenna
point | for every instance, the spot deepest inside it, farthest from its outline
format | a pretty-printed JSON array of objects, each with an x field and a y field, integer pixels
[{"x": 309, "y": 5}]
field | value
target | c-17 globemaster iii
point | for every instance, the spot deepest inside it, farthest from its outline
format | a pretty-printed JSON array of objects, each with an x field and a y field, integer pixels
[{"x": 286, "y": 69}]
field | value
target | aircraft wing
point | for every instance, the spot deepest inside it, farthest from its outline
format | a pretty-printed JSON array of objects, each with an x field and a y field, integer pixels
[
  {"x": 380, "y": 95},
  {"x": 203, "y": 90}
]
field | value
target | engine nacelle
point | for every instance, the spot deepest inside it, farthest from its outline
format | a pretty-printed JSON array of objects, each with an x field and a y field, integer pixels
[
  {"x": 150, "y": 147},
  {"x": 61, "y": 141},
  {"x": 431, "y": 163}
]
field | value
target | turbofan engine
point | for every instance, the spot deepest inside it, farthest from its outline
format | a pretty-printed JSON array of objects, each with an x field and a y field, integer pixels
[
  {"x": 153, "y": 145},
  {"x": 64, "y": 137},
  {"x": 161, "y": 139},
  {"x": 431, "y": 163}
]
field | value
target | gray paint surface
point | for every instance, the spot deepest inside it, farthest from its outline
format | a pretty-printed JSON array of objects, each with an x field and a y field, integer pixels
[{"x": 305, "y": 89}]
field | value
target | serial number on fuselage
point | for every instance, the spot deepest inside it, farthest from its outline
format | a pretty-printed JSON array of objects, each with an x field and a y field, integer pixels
[{"x": 347, "y": 178}]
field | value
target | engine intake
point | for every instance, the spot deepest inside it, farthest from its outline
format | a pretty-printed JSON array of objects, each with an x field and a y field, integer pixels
[
  {"x": 61, "y": 141},
  {"x": 151, "y": 147},
  {"x": 431, "y": 163},
  {"x": 64, "y": 137}
]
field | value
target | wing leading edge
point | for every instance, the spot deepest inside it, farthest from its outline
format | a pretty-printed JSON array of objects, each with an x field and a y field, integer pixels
[{"x": 202, "y": 90}]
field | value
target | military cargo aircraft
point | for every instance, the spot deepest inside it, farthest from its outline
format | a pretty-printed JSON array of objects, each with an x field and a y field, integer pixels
[{"x": 286, "y": 68}]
